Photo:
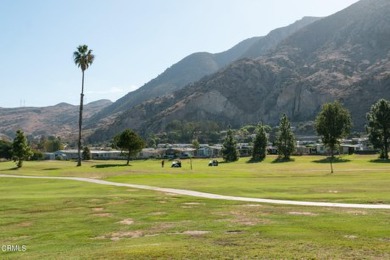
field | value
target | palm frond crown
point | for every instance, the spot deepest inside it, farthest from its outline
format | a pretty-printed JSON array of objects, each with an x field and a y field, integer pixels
[{"x": 83, "y": 57}]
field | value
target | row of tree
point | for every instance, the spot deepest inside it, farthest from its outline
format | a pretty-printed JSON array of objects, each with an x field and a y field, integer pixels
[{"x": 332, "y": 123}]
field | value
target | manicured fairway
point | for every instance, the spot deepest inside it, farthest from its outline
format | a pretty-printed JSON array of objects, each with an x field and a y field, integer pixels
[{"x": 57, "y": 219}]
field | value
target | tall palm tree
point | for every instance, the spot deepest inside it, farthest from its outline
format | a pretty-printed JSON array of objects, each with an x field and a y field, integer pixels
[{"x": 83, "y": 58}]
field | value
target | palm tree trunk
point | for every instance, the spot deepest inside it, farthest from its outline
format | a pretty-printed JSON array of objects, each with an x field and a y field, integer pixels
[{"x": 80, "y": 120}]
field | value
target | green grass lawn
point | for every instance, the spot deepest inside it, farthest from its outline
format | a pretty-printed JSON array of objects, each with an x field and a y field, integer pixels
[{"x": 57, "y": 219}]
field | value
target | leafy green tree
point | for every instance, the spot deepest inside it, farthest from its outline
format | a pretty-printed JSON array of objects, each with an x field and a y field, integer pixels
[
  {"x": 260, "y": 145},
  {"x": 285, "y": 140},
  {"x": 83, "y": 58},
  {"x": 36, "y": 155},
  {"x": 55, "y": 144},
  {"x": 378, "y": 126},
  {"x": 129, "y": 142},
  {"x": 50, "y": 144},
  {"x": 333, "y": 123},
  {"x": 20, "y": 149},
  {"x": 229, "y": 148},
  {"x": 196, "y": 145},
  {"x": 86, "y": 153},
  {"x": 152, "y": 141},
  {"x": 41, "y": 145},
  {"x": 5, "y": 149}
]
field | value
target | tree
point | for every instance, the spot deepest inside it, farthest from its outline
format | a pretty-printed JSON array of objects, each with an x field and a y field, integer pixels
[
  {"x": 196, "y": 145},
  {"x": 285, "y": 140},
  {"x": 260, "y": 144},
  {"x": 50, "y": 144},
  {"x": 129, "y": 142},
  {"x": 36, "y": 155},
  {"x": 86, "y": 154},
  {"x": 83, "y": 58},
  {"x": 333, "y": 123},
  {"x": 5, "y": 149},
  {"x": 20, "y": 149},
  {"x": 229, "y": 148},
  {"x": 378, "y": 126}
]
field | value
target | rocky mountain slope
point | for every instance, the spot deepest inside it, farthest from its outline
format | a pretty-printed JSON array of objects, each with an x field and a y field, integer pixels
[
  {"x": 62, "y": 119},
  {"x": 194, "y": 67},
  {"x": 345, "y": 56},
  {"x": 59, "y": 120}
]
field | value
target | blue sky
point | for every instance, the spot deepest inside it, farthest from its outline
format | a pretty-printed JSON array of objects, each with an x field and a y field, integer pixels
[{"x": 134, "y": 41}]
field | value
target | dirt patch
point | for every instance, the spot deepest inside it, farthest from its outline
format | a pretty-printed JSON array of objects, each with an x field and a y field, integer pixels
[
  {"x": 127, "y": 221},
  {"x": 158, "y": 213},
  {"x": 97, "y": 209},
  {"x": 247, "y": 218},
  {"x": 235, "y": 232},
  {"x": 252, "y": 205},
  {"x": 125, "y": 234},
  {"x": 19, "y": 238},
  {"x": 296, "y": 213},
  {"x": 350, "y": 236},
  {"x": 119, "y": 202},
  {"x": 102, "y": 215},
  {"x": 96, "y": 200},
  {"x": 115, "y": 236},
  {"x": 25, "y": 224},
  {"x": 195, "y": 232},
  {"x": 357, "y": 212},
  {"x": 246, "y": 221},
  {"x": 190, "y": 205},
  {"x": 193, "y": 203}
]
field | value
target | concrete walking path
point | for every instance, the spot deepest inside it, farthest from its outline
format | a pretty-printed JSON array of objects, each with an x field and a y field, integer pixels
[{"x": 209, "y": 195}]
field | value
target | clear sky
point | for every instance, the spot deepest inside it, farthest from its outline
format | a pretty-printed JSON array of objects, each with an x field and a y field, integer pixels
[{"x": 133, "y": 40}]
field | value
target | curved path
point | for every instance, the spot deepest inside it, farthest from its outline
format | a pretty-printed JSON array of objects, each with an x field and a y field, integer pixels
[{"x": 209, "y": 195}]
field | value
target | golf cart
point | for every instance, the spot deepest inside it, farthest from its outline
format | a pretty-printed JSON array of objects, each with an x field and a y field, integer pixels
[{"x": 176, "y": 164}]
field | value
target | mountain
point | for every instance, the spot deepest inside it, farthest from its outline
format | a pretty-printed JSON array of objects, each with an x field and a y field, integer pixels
[
  {"x": 59, "y": 120},
  {"x": 194, "y": 67},
  {"x": 62, "y": 119},
  {"x": 264, "y": 44},
  {"x": 345, "y": 56}
]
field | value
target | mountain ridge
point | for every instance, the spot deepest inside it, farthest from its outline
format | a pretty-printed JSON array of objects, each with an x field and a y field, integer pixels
[
  {"x": 340, "y": 57},
  {"x": 196, "y": 66},
  {"x": 57, "y": 120}
]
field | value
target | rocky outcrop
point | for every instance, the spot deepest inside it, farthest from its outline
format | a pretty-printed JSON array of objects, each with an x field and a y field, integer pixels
[
  {"x": 193, "y": 68},
  {"x": 341, "y": 57}
]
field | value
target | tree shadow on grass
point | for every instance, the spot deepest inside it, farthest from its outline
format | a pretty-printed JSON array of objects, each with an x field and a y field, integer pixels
[
  {"x": 380, "y": 161},
  {"x": 100, "y": 166},
  {"x": 251, "y": 160},
  {"x": 10, "y": 169},
  {"x": 283, "y": 160},
  {"x": 335, "y": 160}
]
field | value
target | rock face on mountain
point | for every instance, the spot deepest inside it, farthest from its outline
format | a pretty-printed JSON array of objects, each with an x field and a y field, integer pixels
[
  {"x": 59, "y": 120},
  {"x": 62, "y": 119},
  {"x": 345, "y": 57},
  {"x": 195, "y": 66}
]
